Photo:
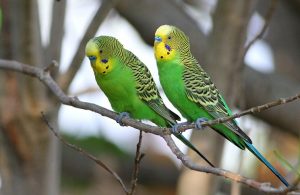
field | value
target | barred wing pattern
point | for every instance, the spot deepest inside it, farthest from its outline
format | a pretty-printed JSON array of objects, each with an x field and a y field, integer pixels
[
  {"x": 201, "y": 90},
  {"x": 146, "y": 88}
]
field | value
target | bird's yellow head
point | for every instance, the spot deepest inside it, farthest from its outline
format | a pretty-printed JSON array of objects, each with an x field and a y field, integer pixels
[
  {"x": 169, "y": 42},
  {"x": 101, "y": 52}
]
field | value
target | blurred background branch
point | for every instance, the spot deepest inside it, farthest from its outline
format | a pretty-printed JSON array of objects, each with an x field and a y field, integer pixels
[{"x": 66, "y": 78}]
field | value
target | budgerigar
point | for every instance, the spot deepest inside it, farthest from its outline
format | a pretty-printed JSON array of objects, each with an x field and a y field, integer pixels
[
  {"x": 128, "y": 84},
  {"x": 191, "y": 91}
]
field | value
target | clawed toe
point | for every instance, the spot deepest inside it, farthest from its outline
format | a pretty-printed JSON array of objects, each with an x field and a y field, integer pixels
[
  {"x": 198, "y": 123},
  {"x": 175, "y": 127},
  {"x": 121, "y": 116}
]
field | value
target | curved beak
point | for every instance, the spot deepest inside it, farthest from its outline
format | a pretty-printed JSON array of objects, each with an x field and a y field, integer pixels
[{"x": 157, "y": 39}]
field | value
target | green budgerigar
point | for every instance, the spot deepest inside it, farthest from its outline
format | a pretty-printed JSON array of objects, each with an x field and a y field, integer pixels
[
  {"x": 128, "y": 84},
  {"x": 191, "y": 91}
]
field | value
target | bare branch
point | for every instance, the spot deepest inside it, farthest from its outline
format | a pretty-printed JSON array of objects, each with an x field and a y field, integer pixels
[
  {"x": 264, "y": 187},
  {"x": 245, "y": 112},
  {"x": 53, "y": 50},
  {"x": 45, "y": 78},
  {"x": 84, "y": 153},
  {"x": 51, "y": 66},
  {"x": 66, "y": 78},
  {"x": 261, "y": 33},
  {"x": 138, "y": 158}
]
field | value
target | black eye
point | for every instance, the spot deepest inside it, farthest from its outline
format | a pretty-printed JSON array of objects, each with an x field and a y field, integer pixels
[
  {"x": 169, "y": 37},
  {"x": 101, "y": 51}
]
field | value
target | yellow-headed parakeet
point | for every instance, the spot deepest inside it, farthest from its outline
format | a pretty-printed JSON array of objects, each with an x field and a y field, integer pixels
[{"x": 191, "y": 91}]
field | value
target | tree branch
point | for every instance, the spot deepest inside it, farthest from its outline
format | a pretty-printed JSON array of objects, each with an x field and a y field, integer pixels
[
  {"x": 44, "y": 77},
  {"x": 262, "y": 87},
  {"x": 264, "y": 187},
  {"x": 53, "y": 50},
  {"x": 240, "y": 66},
  {"x": 66, "y": 78},
  {"x": 261, "y": 33},
  {"x": 138, "y": 158},
  {"x": 252, "y": 110},
  {"x": 84, "y": 153}
]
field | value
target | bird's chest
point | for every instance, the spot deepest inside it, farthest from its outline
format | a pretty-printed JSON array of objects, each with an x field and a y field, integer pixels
[
  {"x": 170, "y": 76},
  {"x": 171, "y": 79},
  {"x": 119, "y": 89}
]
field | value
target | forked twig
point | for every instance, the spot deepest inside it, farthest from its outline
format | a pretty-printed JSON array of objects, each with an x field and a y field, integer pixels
[{"x": 84, "y": 153}]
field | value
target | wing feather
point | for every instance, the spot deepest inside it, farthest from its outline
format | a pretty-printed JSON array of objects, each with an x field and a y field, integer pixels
[
  {"x": 147, "y": 90},
  {"x": 201, "y": 90}
]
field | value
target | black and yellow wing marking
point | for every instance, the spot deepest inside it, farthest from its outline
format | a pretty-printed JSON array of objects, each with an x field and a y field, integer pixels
[
  {"x": 147, "y": 90},
  {"x": 201, "y": 90}
]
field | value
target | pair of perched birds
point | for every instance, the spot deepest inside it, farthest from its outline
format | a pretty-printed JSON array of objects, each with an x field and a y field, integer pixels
[{"x": 131, "y": 90}]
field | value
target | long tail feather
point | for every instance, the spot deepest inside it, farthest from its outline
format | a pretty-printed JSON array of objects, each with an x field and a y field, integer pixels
[
  {"x": 190, "y": 145},
  {"x": 254, "y": 151}
]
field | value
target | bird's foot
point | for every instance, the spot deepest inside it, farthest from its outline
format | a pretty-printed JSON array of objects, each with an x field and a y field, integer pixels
[
  {"x": 175, "y": 127},
  {"x": 198, "y": 123},
  {"x": 121, "y": 116}
]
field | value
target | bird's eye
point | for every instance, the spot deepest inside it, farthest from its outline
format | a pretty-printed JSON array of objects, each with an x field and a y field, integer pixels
[
  {"x": 169, "y": 37},
  {"x": 92, "y": 58},
  {"x": 101, "y": 51}
]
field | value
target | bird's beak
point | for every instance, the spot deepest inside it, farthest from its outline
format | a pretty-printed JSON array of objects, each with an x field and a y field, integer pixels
[{"x": 157, "y": 39}]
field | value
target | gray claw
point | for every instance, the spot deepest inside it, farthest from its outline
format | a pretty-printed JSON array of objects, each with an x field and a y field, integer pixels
[
  {"x": 175, "y": 127},
  {"x": 121, "y": 116},
  {"x": 198, "y": 122}
]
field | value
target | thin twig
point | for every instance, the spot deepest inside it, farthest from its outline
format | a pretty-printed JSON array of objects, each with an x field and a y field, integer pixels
[
  {"x": 84, "y": 153},
  {"x": 239, "y": 65},
  {"x": 138, "y": 158},
  {"x": 66, "y": 78},
  {"x": 51, "y": 66},
  {"x": 252, "y": 110},
  {"x": 261, "y": 33},
  {"x": 46, "y": 78}
]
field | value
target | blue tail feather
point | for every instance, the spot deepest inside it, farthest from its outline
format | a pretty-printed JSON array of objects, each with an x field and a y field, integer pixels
[{"x": 254, "y": 151}]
